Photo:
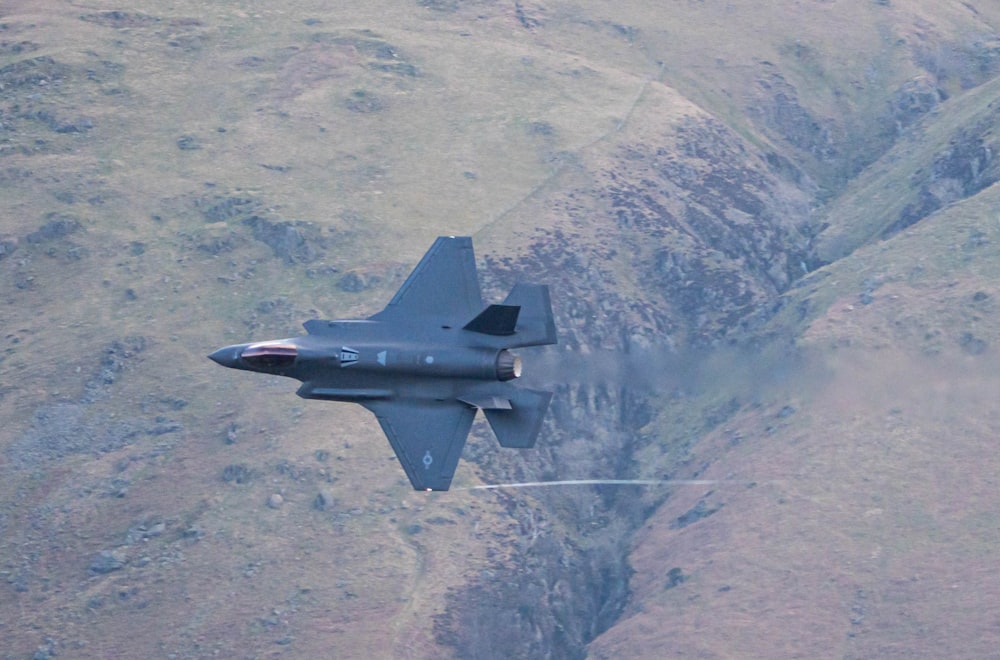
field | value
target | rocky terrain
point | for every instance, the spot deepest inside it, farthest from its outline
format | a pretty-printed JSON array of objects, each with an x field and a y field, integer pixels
[{"x": 771, "y": 236}]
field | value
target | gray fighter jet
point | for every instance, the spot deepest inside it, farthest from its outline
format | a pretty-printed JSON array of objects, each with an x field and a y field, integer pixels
[{"x": 425, "y": 363}]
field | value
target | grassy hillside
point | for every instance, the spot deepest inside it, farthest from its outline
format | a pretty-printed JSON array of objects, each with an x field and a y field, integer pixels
[
  {"x": 756, "y": 220},
  {"x": 855, "y": 516}
]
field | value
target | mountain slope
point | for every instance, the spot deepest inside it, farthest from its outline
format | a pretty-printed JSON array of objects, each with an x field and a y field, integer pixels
[
  {"x": 854, "y": 516},
  {"x": 752, "y": 233}
]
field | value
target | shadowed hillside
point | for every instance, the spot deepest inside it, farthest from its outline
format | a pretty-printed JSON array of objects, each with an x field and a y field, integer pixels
[{"x": 770, "y": 233}]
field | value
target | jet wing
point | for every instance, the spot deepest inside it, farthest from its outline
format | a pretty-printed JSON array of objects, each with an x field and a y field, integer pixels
[
  {"x": 427, "y": 437},
  {"x": 443, "y": 285}
]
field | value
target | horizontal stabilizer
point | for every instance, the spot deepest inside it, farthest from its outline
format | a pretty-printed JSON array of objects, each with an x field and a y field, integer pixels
[
  {"x": 497, "y": 320},
  {"x": 535, "y": 326},
  {"x": 518, "y": 427}
]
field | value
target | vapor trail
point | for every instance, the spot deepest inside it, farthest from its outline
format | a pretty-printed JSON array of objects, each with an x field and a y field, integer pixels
[{"x": 613, "y": 482}]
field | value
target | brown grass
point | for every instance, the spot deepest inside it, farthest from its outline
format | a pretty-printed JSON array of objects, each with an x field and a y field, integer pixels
[{"x": 875, "y": 499}]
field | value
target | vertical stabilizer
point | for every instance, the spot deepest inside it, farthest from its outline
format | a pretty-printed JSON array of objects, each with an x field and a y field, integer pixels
[{"x": 499, "y": 320}]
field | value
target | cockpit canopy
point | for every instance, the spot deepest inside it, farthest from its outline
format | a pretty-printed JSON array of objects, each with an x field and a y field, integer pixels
[{"x": 270, "y": 355}]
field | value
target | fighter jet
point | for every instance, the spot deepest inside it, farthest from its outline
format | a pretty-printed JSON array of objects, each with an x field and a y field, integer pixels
[{"x": 425, "y": 363}]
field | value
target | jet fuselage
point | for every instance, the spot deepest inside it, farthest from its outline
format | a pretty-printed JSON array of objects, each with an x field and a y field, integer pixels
[
  {"x": 424, "y": 364},
  {"x": 353, "y": 360}
]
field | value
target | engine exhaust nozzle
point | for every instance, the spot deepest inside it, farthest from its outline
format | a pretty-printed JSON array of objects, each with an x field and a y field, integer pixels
[{"x": 508, "y": 365}]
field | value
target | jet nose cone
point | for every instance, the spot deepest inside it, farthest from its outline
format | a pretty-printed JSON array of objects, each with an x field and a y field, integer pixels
[{"x": 227, "y": 356}]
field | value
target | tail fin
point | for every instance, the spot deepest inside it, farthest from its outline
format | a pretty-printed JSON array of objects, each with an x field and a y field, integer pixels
[
  {"x": 500, "y": 320},
  {"x": 535, "y": 326},
  {"x": 517, "y": 427}
]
